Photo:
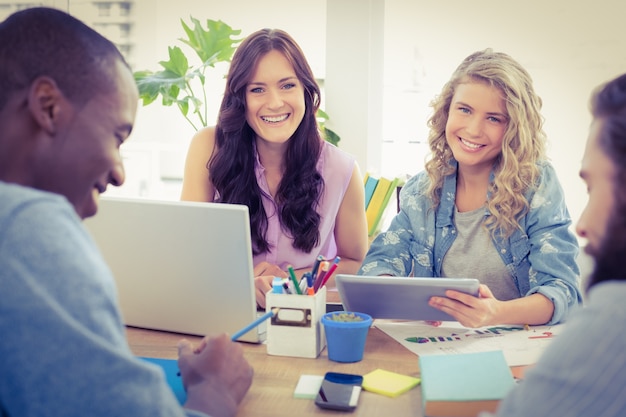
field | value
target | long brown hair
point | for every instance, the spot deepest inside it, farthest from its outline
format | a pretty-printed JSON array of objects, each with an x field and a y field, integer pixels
[{"x": 231, "y": 167}]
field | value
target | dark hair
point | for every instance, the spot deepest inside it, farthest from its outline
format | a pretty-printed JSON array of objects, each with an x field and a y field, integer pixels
[
  {"x": 608, "y": 107},
  {"x": 43, "y": 41},
  {"x": 231, "y": 167}
]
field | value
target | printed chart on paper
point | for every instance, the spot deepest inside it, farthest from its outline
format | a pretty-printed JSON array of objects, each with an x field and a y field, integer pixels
[{"x": 521, "y": 346}]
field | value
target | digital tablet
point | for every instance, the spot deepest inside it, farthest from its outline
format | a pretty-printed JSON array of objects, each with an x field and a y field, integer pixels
[{"x": 401, "y": 298}]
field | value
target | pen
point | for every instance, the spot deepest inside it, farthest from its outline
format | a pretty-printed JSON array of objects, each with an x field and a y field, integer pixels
[
  {"x": 255, "y": 323},
  {"x": 309, "y": 279},
  {"x": 320, "y": 276},
  {"x": 330, "y": 272},
  {"x": 292, "y": 275},
  {"x": 306, "y": 282},
  {"x": 316, "y": 265}
]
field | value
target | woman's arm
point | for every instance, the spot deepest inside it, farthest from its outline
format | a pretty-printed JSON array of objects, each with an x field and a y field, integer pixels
[
  {"x": 549, "y": 282},
  {"x": 554, "y": 272},
  {"x": 351, "y": 227},
  {"x": 197, "y": 184},
  {"x": 486, "y": 310}
]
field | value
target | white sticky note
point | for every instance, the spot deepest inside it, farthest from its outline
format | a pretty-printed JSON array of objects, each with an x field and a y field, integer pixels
[{"x": 308, "y": 386}]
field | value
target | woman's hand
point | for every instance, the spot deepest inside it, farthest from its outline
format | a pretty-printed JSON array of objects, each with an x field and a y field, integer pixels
[
  {"x": 468, "y": 310},
  {"x": 264, "y": 274}
]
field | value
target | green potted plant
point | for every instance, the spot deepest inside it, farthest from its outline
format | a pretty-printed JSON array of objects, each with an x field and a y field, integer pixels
[
  {"x": 345, "y": 316},
  {"x": 346, "y": 333},
  {"x": 182, "y": 84}
]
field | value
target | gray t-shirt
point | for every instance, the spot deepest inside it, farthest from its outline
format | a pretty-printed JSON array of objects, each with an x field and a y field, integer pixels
[{"x": 473, "y": 255}]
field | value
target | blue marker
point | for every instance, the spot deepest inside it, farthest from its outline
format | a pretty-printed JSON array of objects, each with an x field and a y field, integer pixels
[
  {"x": 277, "y": 285},
  {"x": 309, "y": 279},
  {"x": 316, "y": 266}
]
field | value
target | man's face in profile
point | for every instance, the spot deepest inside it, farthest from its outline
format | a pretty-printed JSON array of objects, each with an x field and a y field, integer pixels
[{"x": 603, "y": 221}]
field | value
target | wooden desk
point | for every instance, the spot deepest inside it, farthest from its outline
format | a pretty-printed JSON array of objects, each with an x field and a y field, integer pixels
[{"x": 275, "y": 377}]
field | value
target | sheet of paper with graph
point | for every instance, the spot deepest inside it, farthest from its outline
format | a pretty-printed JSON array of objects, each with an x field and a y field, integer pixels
[{"x": 520, "y": 346}]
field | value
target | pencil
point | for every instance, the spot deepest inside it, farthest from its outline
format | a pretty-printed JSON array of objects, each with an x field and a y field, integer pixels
[{"x": 255, "y": 323}]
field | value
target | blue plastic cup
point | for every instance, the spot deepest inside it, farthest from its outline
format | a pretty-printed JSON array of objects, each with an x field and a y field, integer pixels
[{"x": 345, "y": 340}]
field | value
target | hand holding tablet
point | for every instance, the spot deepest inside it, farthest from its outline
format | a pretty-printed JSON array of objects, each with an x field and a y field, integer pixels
[{"x": 400, "y": 298}]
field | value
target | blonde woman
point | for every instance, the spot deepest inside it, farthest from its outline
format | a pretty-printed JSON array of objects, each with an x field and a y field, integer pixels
[{"x": 488, "y": 206}]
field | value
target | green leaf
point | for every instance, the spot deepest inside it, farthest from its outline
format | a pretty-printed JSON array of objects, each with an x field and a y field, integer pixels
[
  {"x": 183, "y": 105},
  {"x": 169, "y": 94},
  {"x": 214, "y": 44},
  {"x": 151, "y": 84},
  {"x": 178, "y": 63},
  {"x": 148, "y": 92},
  {"x": 321, "y": 114},
  {"x": 331, "y": 136}
]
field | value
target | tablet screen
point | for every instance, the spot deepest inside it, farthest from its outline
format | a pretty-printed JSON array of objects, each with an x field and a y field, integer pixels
[{"x": 400, "y": 298}]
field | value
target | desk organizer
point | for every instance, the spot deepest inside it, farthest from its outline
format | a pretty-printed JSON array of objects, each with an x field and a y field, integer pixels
[{"x": 296, "y": 330}]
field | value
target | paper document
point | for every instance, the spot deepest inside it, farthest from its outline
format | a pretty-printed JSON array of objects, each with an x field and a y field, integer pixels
[{"x": 520, "y": 346}]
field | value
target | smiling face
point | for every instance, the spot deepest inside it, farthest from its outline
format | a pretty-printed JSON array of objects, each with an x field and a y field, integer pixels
[
  {"x": 476, "y": 125},
  {"x": 598, "y": 172},
  {"x": 274, "y": 99},
  {"x": 84, "y": 156}
]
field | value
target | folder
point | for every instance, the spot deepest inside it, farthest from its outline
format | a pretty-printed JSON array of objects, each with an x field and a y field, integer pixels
[
  {"x": 172, "y": 376},
  {"x": 379, "y": 201},
  {"x": 370, "y": 186}
]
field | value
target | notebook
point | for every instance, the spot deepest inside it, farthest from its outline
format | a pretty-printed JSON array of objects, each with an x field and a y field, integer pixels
[
  {"x": 402, "y": 298},
  {"x": 183, "y": 267}
]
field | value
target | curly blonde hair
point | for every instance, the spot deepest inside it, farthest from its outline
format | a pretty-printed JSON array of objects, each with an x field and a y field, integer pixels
[{"x": 523, "y": 146}]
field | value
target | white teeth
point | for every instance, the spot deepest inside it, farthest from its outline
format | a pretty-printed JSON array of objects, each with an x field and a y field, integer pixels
[
  {"x": 274, "y": 119},
  {"x": 470, "y": 144}
]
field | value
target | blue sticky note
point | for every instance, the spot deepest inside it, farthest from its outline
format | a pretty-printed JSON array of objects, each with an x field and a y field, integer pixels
[{"x": 170, "y": 368}]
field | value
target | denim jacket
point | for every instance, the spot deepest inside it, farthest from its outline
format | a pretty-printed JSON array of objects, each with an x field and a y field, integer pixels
[{"x": 540, "y": 256}]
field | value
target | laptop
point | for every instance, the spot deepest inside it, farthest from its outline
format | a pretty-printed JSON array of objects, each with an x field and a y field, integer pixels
[
  {"x": 182, "y": 267},
  {"x": 400, "y": 298}
]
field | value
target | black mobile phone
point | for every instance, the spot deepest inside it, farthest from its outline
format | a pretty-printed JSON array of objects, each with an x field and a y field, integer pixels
[{"x": 339, "y": 391}]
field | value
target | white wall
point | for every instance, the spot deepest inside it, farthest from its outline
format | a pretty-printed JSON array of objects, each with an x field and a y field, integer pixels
[
  {"x": 354, "y": 76},
  {"x": 161, "y": 135},
  {"x": 159, "y": 23},
  {"x": 568, "y": 47}
]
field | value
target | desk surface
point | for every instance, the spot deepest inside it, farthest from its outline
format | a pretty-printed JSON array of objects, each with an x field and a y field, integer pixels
[{"x": 275, "y": 377}]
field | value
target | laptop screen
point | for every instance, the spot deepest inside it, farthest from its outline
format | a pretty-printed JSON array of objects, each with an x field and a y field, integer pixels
[{"x": 184, "y": 267}]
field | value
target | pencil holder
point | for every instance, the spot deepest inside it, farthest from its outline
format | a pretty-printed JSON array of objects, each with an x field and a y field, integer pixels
[{"x": 296, "y": 329}]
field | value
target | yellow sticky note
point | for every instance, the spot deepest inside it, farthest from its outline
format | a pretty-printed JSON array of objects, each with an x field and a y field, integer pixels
[{"x": 388, "y": 383}]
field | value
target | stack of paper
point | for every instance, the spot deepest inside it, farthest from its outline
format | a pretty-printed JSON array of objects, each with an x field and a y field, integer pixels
[{"x": 463, "y": 385}]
